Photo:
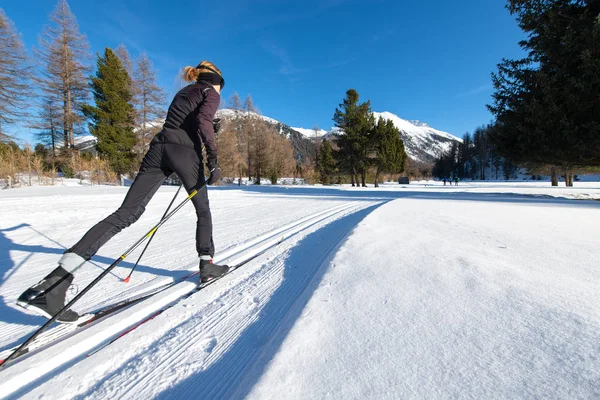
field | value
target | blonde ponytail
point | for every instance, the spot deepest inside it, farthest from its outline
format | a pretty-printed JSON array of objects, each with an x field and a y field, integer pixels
[{"x": 190, "y": 74}]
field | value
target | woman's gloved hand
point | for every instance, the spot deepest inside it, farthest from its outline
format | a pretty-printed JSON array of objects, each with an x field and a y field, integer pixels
[
  {"x": 215, "y": 173},
  {"x": 216, "y": 125}
]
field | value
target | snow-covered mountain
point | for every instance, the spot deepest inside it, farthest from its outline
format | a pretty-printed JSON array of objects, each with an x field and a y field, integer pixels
[
  {"x": 422, "y": 143},
  {"x": 310, "y": 133}
]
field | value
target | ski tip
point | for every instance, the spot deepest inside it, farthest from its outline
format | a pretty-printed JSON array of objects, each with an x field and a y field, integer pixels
[
  {"x": 126, "y": 280},
  {"x": 1, "y": 362}
]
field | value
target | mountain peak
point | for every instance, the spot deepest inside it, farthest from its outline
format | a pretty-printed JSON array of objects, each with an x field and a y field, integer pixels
[{"x": 422, "y": 142}]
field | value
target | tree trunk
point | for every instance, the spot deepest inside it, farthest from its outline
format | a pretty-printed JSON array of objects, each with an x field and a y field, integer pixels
[
  {"x": 554, "y": 175},
  {"x": 377, "y": 178},
  {"x": 53, "y": 144},
  {"x": 569, "y": 179}
]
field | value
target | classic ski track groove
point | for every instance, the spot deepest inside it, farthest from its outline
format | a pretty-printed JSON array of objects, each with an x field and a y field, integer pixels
[
  {"x": 158, "y": 283},
  {"x": 319, "y": 218},
  {"x": 205, "y": 324},
  {"x": 308, "y": 222},
  {"x": 12, "y": 333}
]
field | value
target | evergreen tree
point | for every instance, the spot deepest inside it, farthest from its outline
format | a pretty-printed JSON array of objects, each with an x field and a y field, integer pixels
[
  {"x": 480, "y": 149},
  {"x": 356, "y": 122},
  {"x": 150, "y": 100},
  {"x": 547, "y": 105},
  {"x": 390, "y": 155},
  {"x": 326, "y": 166},
  {"x": 63, "y": 56},
  {"x": 111, "y": 117}
]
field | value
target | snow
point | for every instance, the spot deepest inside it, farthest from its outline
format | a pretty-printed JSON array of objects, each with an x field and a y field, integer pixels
[
  {"x": 482, "y": 290},
  {"x": 229, "y": 113},
  {"x": 310, "y": 133}
]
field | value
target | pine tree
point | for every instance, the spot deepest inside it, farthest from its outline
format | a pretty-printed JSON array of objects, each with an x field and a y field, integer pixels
[
  {"x": 111, "y": 117},
  {"x": 390, "y": 155},
  {"x": 356, "y": 122},
  {"x": 150, "y": 100},
  {"x": 63, "y": 56},
  {"x": 480, "y": 149},
  {"x": 546, "y": 105},
  {"x": 14, "y": 75},
  {"x": 326, "y": 165}
]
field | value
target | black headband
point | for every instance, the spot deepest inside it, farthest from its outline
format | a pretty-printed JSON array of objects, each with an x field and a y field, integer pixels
[{"x": 213, "y": 77}]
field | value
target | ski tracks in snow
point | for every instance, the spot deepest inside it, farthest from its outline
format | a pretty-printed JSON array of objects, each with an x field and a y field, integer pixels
[{"x": 216, "y": 343}]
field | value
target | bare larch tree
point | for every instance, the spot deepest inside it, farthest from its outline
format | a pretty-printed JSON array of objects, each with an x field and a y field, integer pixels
[
  {"x": 64, "y": 62},
  {"x": 14, "y": 75},
  {"x": 149, "y": 100}
]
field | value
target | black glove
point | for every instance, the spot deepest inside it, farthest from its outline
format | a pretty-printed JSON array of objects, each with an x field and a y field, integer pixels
[
  {"x": 216, "y": 125},
  {"x": 215, "y": 173}
]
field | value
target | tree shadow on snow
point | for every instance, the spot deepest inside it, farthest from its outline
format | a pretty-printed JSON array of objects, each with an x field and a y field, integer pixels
[
  {"x": 250, "y": 354},
  {"x": 383, "y": 193}
]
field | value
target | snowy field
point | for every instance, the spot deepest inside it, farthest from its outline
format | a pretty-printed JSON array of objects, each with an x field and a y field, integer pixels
[{"x": 482, "y": 290}]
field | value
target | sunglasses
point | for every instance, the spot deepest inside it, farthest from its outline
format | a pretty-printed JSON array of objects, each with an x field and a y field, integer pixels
[{"x": 221, "y": 82}]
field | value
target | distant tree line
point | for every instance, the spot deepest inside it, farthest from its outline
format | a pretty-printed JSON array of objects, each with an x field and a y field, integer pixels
[{"x": 475, "y": 158}]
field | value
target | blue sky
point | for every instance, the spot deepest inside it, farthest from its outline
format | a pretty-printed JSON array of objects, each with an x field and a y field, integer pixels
[{"x": 426, "y": 60}]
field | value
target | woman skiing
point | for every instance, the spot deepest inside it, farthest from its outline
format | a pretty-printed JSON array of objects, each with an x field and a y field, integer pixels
[{"x": 177, "y": 148}]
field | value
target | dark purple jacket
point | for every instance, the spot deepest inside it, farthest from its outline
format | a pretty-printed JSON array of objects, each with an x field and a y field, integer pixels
[{"x": 189, "y": 119}]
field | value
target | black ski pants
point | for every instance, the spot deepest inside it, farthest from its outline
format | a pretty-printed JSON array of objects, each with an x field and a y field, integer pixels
[{"x": 161, "y": 161}]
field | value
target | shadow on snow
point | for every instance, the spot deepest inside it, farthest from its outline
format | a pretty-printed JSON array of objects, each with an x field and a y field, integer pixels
[
  {"x": 257, "y": 345},
  {"x": 337, "y": 193}
]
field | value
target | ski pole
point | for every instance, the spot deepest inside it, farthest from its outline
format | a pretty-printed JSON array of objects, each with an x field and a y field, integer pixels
[
  {"x": 126, "y": 280},
  {"x": 99, "y": 277}
]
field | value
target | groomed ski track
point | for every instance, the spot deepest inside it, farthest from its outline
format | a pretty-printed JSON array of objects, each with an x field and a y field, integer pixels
[
  {"x": 250, "y": 249},
  {"x": 219, "y": 331}
]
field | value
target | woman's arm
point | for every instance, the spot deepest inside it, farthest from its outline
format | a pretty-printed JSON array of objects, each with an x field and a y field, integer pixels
[{"x": 209, "y": 101}]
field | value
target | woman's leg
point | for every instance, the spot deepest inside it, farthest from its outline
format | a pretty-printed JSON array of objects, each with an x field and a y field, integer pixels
[
  {"x": 48, "y": 296},
  {"x": 151, "y": 176},
  {"x": 187, "y": 164}
]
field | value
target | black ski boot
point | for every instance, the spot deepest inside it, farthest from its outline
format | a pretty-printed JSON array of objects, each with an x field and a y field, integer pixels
[
  {"x": 47, "y": 297},
  {"x": 210, "y": 271}
]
